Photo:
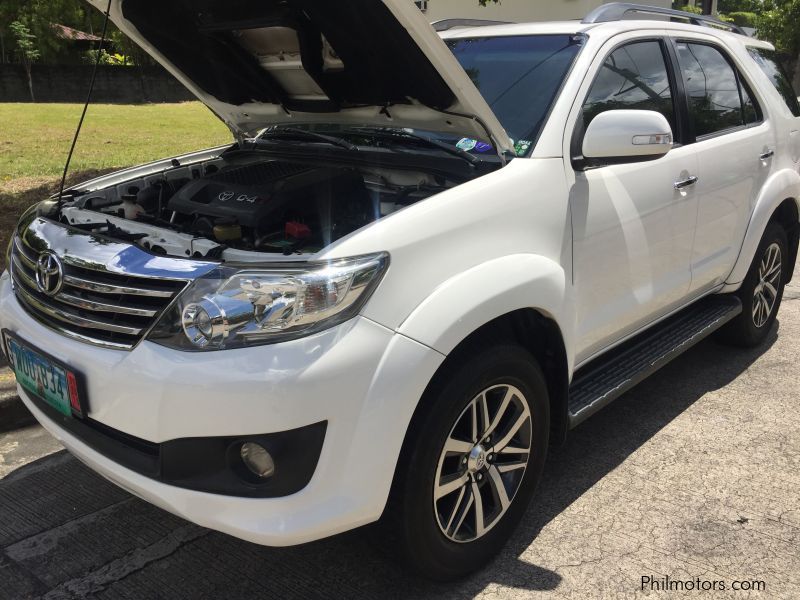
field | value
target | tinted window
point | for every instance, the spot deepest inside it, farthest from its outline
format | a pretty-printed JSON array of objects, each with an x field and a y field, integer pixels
[
  {"x": 519, "y": 77},
  {"x": 634, "y": 77},
  {"x": 768, "y": 61},
  {"x": 713, "y": 91}
]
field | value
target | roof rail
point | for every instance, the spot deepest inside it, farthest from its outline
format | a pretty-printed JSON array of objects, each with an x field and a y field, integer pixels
[
  {"x": 617, "y": 11},
  {"x": 446, "y": 24}
]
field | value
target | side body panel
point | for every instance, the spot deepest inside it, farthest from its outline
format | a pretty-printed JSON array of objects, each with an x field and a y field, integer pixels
[
  {"x": 632, "y": 231},
  {"x": 782, "y": 185},
  {"x": 633, "y": 239},
  {"x": 516, "y": 281},
  {"x": 730, "y": 178},
  {"x": 731, "y": 172},
  {"x": 783, "y": 182},
  {"x": 460, "y": 259}
]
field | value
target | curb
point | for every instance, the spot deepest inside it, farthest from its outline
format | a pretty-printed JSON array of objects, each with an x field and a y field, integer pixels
[
  {"x": 8, "y": 386},
  {"x": 8, "y": 397},
  {"x": 13, "y": 413}
]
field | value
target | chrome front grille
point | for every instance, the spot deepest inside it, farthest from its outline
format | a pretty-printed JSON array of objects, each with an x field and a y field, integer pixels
[{"x": 94, "y": 304}]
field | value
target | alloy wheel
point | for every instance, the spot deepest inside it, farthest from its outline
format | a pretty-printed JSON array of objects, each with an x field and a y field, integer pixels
[
  {"x": 766, "y": 291},
  {"x": 482, "y": 463}
]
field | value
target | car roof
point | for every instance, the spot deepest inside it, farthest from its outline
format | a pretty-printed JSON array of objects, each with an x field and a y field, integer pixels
[{"x": 607, "y": 29}]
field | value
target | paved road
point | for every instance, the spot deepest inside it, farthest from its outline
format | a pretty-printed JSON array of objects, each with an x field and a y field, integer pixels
[{"x": 694, "y": 474}]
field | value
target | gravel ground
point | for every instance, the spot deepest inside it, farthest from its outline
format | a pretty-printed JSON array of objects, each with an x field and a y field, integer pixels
[{"x": 694, "y": 474}]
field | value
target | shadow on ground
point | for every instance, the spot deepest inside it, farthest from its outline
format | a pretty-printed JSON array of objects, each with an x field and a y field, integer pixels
[{"x": 66, "y": 531}]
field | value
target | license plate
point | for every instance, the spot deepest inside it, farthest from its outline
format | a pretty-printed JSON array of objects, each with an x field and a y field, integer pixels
[{"x": 45, "y": 377}]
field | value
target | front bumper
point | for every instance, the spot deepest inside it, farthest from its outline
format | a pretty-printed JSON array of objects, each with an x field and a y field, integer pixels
[{"x": 361, "y": 378}]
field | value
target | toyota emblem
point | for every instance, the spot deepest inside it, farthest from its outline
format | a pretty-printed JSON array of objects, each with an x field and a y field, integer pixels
[{"x": 49, "y": 273}]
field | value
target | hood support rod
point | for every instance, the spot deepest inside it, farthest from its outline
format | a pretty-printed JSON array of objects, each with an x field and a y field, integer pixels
[{"x": 86, "y": 104}]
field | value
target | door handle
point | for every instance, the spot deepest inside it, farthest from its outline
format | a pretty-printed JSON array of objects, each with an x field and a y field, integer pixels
[
  {"x": 767, "y": 154},
  {"x": 691, "y": 180}
]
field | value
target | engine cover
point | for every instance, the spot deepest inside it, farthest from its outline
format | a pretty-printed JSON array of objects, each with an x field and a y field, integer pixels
[
  {"x": 247, "y": 205},
  {"x": 245, "y": 194},
  {"x": 263, "y": 197}
]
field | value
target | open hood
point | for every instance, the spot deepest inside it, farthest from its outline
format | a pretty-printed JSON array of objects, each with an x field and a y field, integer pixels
[{"x": 257, "y": 63}]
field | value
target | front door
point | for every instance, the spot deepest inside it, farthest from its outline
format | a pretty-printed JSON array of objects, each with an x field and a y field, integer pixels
[{"x": 632, "y": 227}]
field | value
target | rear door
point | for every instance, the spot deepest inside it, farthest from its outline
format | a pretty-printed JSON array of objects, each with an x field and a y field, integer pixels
[
  {"x": 735, "y": 147},
  {"x": 767, "y": 60}
]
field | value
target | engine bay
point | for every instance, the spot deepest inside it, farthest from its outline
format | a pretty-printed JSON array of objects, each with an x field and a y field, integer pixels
[{"x": 241, "y": 207}]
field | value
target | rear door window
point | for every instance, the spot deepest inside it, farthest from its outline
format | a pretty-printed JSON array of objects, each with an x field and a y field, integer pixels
[
  {"x": 717, "y": 101},
  {"x": 767, "y": 60}
]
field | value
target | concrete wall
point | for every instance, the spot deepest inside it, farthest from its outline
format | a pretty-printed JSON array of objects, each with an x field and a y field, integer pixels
[
  {"x": 520, "y": 10},
  {"x": 124, "y": 85}
]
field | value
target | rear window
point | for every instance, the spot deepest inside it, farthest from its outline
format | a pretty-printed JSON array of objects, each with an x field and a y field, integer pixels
[
  {"x": 768, "y": 61},
  {"x": 519, "y": 77},
  {"x": 718, "y": 100}
]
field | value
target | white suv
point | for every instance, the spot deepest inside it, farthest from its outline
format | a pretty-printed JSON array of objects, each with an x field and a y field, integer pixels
[{"x": 423, "y": 261}]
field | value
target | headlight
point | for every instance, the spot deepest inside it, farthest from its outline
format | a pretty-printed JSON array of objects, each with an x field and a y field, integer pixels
[{"x": 234, "y": 307}]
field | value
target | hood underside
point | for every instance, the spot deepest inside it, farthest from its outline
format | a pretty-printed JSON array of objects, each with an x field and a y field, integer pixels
[{"x": 258, "y": 63}]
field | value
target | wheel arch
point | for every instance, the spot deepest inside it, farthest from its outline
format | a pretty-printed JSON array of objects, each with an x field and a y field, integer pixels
[
  {"x": 788, "y": 216},
  {"x": 520, "y": 299},
  {"x": 537, "y": 333},
  {"x": 779, "y": 200}
]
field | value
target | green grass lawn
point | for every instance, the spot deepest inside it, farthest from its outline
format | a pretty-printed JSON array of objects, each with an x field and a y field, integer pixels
[{"x": 35, "y": 140}]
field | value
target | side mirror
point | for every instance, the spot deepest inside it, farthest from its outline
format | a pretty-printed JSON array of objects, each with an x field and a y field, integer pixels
[{"x": 621, "y": 136}]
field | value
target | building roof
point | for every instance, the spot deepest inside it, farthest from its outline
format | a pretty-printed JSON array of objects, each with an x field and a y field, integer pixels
[{"x": 68, "y": 33}]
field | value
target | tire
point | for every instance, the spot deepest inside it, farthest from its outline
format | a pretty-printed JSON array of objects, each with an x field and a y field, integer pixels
[
  {"x": 761, "y": 292},
  {"x": 440, "y": 539}
]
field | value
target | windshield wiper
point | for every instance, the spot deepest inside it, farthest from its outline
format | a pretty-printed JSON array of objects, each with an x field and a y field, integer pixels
[
  {"x": 294, "y": 133},
  {"x": 402, "y": 134}
]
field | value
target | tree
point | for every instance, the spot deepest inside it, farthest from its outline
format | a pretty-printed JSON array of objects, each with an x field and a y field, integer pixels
[
  {"x": 778, "y": 23},
  {"x": 741, "y": 18},
  {"x": 40, "y": 16},
  {"x": 26, "y": 48},
  {"x": 684, "y": 6},
  {"x": 734, "y": 6}
]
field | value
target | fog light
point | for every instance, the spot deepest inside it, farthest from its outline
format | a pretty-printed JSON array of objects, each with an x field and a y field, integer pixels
[{"x": 256, "y": 458}]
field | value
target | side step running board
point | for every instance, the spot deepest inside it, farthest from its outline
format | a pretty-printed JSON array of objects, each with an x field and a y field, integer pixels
[{"x": 608, "y": 377}]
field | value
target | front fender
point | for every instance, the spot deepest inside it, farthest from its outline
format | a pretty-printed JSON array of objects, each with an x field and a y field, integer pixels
[
  {"x": 782, "y": 185},
  {"x": 489, "y": 290}
]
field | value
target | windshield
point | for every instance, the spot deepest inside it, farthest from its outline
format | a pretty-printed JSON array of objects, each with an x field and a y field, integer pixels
[{"x": 519, "y": 77}]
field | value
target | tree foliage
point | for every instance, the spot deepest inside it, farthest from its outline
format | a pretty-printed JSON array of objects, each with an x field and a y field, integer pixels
[
  {"x": 779, "y": 22},
  {"x": 26, "y": 49},
  {"x": 25, "y": 42},
  {"x": 41, "y": 15},
  {"x": 685, "y": 7},
  {"x": 741, "y": 18},
  {"x": 734, "y": 6}
]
